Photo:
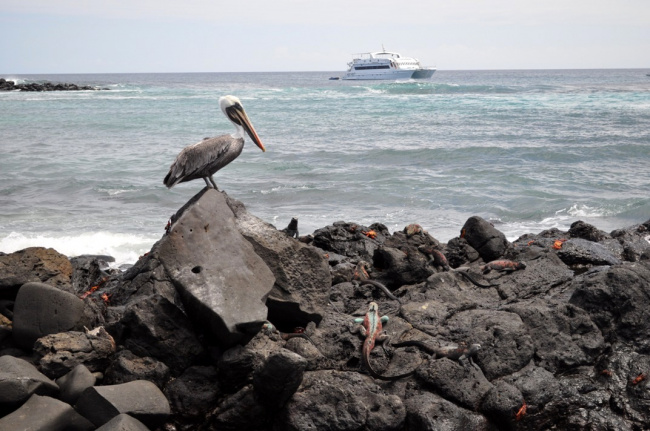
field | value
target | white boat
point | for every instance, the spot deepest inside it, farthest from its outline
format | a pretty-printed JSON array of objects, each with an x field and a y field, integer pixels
[{"x": 386, "y": 65}]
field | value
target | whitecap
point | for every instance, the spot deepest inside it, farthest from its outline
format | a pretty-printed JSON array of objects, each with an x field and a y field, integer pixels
[
  {"x": 16, "y": 81},
  {"x": 116, "y": 192},
  {"x": 124, "y": 247},
  {"x": 577, "y": 210}
]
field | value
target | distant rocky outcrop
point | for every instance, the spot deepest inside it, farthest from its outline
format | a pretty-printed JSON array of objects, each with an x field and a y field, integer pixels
[
  {"x": 6, "y": 85},
  {"x": 229, "y": 323}
]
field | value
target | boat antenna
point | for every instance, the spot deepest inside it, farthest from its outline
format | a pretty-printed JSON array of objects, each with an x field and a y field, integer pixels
[{"x": 382, "y": 47}]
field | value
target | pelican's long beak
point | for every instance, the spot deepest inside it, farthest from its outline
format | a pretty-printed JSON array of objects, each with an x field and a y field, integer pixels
[{"x": 237, "y": 114}]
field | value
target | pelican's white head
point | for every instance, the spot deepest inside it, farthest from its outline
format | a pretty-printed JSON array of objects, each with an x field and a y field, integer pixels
[{"x": 232, "y": 108}]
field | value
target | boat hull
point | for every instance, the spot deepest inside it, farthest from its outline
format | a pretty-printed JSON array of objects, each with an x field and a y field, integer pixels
[
  {"x": 425, "y": 73},
  {"x": 389, "y": 75}
]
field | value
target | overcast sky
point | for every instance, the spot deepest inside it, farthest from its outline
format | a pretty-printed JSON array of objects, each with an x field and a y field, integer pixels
[{"x": 95, "y": 36}]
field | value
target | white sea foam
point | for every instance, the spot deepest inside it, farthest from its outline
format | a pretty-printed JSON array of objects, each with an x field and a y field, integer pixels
[
  {"x": 584, "y": 211},
  {"x": 16, "y": 81},
  {"x": 125, "y": 248},
  {"x": 115, "y": 192},
  {"x": 514, "y": 230},
  {"x": 562, "y": 220}
]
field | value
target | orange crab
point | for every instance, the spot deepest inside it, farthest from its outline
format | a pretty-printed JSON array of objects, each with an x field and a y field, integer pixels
[
  {"x": 94, "y": 288},
  {"x": 522, "y": 412},
  {"x": 89, "y": 291},
  {"x": 558, "y": 243},
  {"x": 638, "y": 379},
  {"x": 370, "y": 234},
  {"x": 106, "y": 297}
]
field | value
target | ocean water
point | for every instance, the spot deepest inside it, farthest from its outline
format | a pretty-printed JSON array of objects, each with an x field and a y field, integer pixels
[{"x": 528, "y": 150}]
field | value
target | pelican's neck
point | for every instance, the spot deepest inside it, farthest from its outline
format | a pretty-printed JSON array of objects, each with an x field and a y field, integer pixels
[{"x": 239, "y": 132}]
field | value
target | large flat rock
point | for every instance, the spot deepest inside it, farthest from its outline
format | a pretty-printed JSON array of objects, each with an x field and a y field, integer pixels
[
  {"x": 45, "y": 413},
  {"x": 41, "y": 310},
  {"x": 223, "y": 282},
  {"x": 302, "y": 274},
  {"x": 140, "y": 399},
  {"x": 19, "y": 380}
]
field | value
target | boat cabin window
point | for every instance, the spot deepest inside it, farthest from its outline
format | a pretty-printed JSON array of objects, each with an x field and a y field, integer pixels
[{"x": 383, "y": 66}]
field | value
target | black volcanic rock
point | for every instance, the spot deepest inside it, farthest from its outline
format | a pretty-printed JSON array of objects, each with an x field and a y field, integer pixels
[
  {"x": 222, "y": 281},
  {"x": 140, "y": 399},
  {"x": 565, "y": 337},
  {"x": 586, "y": 231},
  {"x": 46, "y": 86},
  {"x": 502, "y": 403},
  {"x": 41, "y": 309},
  {"x": 465, "y": 386},
  {"x": 75, "y": 382},
  {"x": 19, "y": 380},
  {"x": 564, "y": 340},
  {"x": 193, "y": 393},
  {"x": 350, "y": 239},
  {"x": 428, "y": 411},
  {"x": 156, "y": 327},
  {"x": 490, "y": 243},
  {"x": 60, "y": 353},
  {"x": 123, "y": 422},
  {"x": 578, "y": 251},
  {"x": 37, "y": 264},
  {"x": 342, "y": 401},
  {"x": 45, "y": 413},
  {"x": 278, "y": 379},
  {"x": 127, "y": 367},
  {"x": 89, "y": 271},
  {"x": 616, "y": 300},
  {"x": 302, "y": 275}
]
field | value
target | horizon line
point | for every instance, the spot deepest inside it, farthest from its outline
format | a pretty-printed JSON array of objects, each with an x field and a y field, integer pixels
[{"x": 319, "y": 71}]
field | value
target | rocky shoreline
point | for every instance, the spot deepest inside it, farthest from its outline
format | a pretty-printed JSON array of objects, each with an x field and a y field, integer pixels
[
  {"x": 229, "y": 323},
  {"x": 6, "y": 85}
]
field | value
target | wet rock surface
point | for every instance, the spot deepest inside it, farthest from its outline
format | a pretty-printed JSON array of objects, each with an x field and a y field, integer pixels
[{"x": 563, "y": 330}]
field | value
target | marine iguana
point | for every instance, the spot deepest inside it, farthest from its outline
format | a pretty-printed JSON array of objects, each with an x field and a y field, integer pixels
[
  {"x": 439, "y": 259},
  {"x": 372, "y": 330},
  {"x": 471, "y": 279},
  {"x": 456, "y": 353},
  {"x": 503, "y": 266},
  {"x": 292, "y": 229},
  {"x": 361, "y": 277}
]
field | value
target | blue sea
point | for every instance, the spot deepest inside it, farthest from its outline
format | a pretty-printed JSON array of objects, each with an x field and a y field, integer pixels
[{"x": 528, "y": 150}]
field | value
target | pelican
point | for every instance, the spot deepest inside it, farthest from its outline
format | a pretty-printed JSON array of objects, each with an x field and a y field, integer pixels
[{"x": 204, "y": 158}]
